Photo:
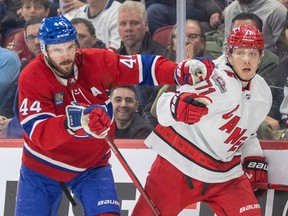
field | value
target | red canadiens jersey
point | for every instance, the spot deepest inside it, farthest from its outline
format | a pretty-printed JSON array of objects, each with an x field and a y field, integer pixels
[{"x": 43, "y": 96}]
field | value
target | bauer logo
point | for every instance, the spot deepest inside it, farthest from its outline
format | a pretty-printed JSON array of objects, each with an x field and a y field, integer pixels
[
  {"x": 249, "y": 207},
  {"x": 59, "y": 98},
  {"x": 110, "y": 202}
]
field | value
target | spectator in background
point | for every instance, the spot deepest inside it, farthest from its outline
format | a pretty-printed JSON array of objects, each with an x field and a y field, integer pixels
[
  {"x": 282, "y": 44},
  {"x": 9, "y": 72},
  {"x": 29, "y": 9},
  {"x": 134, "y": 32},
  {"x": 163, "y": 12},
  {"x": 10, "y": 12},
  {"x": 135, "y": 39},
  {"x": 275, "y": 126},
  {"x": 129, "y": 124},
  {"x": 67, "y": 6},
  {"x": 274, "y": 129},
  {"x": 34, "y": 8},
  {"x": 195, "y": 47},
  {"x": 103, "y": 15},
  {"x": 13, "y": 13},
  {"x": 271, "y": 12},
  {"x": 10, "y": 127},
  {"x": 283, "y": 65},
  {"x": 195, "y": 40},
  {"x": 31, "y": 30},
  {"x": 86, "y": 34}
]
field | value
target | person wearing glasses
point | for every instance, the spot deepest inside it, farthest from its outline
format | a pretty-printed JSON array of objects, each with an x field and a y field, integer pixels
[
  {"x": 195, "y": 47},
  {"x": 31, "y": 30},
  {"x": 195, "y": 40}
]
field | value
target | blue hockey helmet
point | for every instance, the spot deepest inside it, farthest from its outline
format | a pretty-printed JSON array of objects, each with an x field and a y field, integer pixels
[{"x": 56, "y": 30}]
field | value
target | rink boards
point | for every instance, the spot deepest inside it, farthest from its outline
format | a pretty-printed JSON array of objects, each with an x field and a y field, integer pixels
[{"x": 140, "y": 159}]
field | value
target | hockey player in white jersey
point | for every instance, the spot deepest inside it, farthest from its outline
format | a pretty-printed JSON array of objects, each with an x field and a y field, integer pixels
[{"x": 206, "y": 138}]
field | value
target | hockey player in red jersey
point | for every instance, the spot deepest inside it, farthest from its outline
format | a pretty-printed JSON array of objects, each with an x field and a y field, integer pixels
[
  {"x": 212, "y": 155},
  {"x": 64, "y": 145}
]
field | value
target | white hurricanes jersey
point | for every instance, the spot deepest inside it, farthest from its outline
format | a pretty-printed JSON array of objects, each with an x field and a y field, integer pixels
[
  {"x": 105, "y": 23},
  {"x": 211, "y": 149}
]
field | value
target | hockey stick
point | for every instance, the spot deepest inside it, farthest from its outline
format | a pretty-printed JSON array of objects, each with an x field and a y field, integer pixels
[
  {"x": 132, "y": 175},
  {"x": 271, "y": 186}
]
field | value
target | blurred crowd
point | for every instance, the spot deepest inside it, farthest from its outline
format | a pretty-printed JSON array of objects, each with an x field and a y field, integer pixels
[{"x": 136, "y": 27}]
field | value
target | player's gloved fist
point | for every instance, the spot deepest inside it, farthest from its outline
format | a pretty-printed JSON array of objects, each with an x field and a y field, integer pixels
[
  {"x": 98, "y": 123},
  {"x": 193, "y": 71},
  {"x": 93, "y": 119},
  {"x": 187, "y": 108},
  {"x": 255, "y": 168}
]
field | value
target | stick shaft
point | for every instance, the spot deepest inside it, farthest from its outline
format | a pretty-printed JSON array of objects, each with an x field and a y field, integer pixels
[{"x": 132, "y": 175}]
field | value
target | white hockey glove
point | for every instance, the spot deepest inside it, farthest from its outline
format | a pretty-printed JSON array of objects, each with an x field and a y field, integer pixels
[
  {"x": 193, "y": 71},
  {"x": 93, "y": 119}
]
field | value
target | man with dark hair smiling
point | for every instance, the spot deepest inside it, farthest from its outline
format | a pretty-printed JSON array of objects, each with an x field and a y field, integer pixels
[{"x": 129, "y": 124}]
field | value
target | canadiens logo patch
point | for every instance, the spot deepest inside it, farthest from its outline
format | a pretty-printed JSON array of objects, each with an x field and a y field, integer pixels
[
  {"x": 59, "y": 98},
  {"x": 219, "y": 82}
]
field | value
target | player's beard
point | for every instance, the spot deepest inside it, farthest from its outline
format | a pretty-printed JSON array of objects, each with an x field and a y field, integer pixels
[{"x": 63, "y": 69}]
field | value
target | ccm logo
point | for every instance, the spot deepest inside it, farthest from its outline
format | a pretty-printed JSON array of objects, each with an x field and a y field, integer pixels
[{"x": 258, "y": 165}]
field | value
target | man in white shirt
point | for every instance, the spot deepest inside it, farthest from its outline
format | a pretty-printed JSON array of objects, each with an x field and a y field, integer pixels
[{"x": 103, "y": 14}]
